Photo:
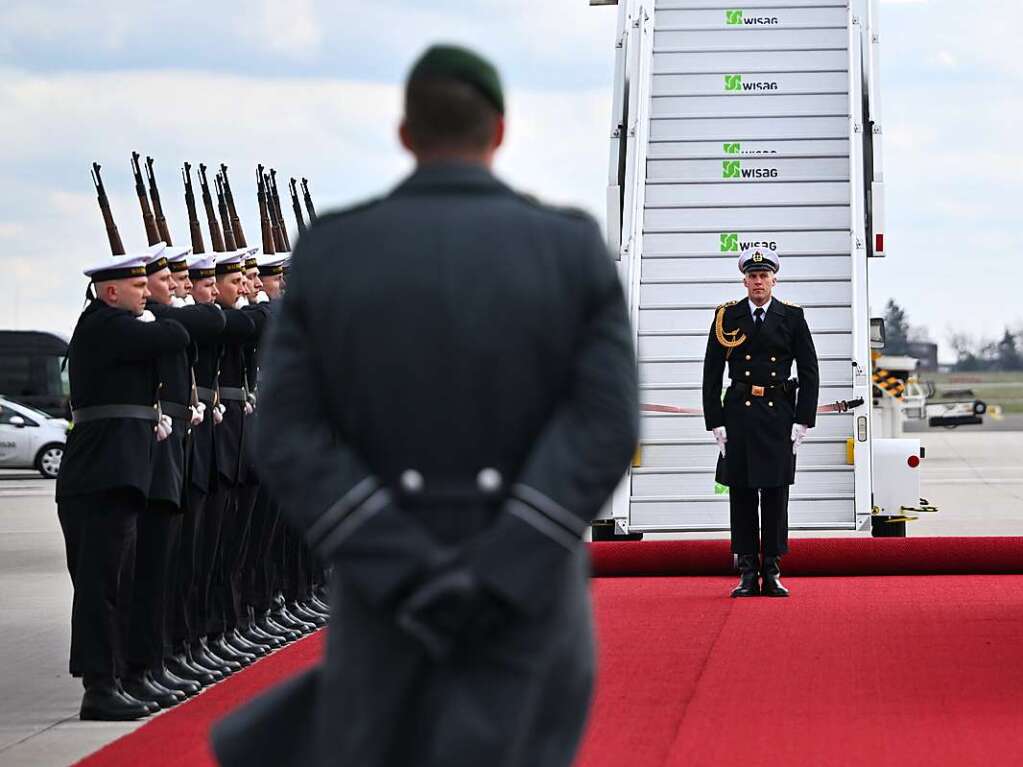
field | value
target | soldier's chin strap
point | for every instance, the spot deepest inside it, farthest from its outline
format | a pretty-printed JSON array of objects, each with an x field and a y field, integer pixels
[{"x": 841, "y": 406}]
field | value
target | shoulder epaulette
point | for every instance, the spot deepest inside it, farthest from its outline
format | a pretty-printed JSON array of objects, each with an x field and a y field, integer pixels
[{"x": 726, "y": 304}]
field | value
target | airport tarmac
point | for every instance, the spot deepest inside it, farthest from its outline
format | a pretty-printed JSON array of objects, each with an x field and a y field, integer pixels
[{"x": 973, "y": 474}]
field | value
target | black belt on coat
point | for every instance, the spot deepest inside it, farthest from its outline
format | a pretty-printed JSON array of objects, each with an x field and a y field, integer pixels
[
  {"x": 102, "y": 412},
  {"x": 756, "y": 390},
  {"x": 174, "y": 410},
  {"x": 204, "y": 394},
  {"x": 233, "y": 394}
]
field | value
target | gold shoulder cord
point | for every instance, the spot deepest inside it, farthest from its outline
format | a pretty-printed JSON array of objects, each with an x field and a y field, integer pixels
[{"x": 721, "y": 333}]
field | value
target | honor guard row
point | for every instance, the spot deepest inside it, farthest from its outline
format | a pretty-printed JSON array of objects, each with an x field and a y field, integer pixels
[{"x": 183, "y": 571}]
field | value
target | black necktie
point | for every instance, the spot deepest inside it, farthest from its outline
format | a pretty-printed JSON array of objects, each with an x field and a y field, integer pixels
[{"x": 758, "y": 318}]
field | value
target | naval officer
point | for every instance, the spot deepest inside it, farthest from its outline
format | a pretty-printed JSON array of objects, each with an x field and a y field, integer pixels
[
  {"x": 448, "y": 397},
  {"x": 763, "y": 417}
]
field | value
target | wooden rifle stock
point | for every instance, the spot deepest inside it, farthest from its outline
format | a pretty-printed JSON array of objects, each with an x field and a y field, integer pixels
[
  {"x": 154, "y": 195},
  {"x": 265, "y": 227},
  {"x": 194, "y": 227},
  {"x": 225, "y": 217},
  {"x": 275, "y": 226},
  {"x": 308, "y": 201},
  {"x": 216, "y": 238},
  {"x": 297, "y": 207},
  {"x": 116, "y": 246},
  {"x": 236, "y": 224},
  {"x": 279, "y": 211},
  {"x": 147, "y": 214}
]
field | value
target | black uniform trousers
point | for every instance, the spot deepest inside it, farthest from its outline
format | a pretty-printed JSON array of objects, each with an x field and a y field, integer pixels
[
  {"x": 186, "y": 624},
  {"x": 99, "y": 537},
  {"x": 236, "y": 537},
  {"x": 774, "y": 520},
  {"x": 159, "y": 530}
]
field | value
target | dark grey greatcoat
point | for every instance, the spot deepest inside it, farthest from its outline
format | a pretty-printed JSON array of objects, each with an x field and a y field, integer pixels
[
  {"x": 759, "y": 450},
  {"x": 451, "y": 327}
]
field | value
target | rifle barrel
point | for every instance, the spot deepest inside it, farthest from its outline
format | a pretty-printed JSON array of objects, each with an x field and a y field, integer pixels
[
  {"x": 236, "y": 224},
  {"x": 154, "y": 194},
  {"x": 194, "y": 227},
  {"x": 113, "y": 236},
  {"x": 216, "y": 238},
  {"x": 297, "y": 207},
  {"x": 148, "y": 221}
]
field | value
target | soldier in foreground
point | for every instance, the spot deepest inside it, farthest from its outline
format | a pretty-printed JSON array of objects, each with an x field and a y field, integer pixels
[
  {"x": 105, "y": 476},
  {"x": 448, "y": 397},
  {"x": 763, "y": 417}
]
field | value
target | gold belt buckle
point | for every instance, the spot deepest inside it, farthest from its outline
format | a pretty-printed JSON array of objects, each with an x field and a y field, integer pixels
[{"x": 757, "y": 391}]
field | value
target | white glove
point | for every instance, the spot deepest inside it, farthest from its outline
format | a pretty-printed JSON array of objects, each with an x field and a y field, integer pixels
[
  {"x": 721, "y": 437},
  {"x": 188, "y": 301},
  {"x": 146, "y": 316},
  {"x": 241, "y": 303},
  {"x": 262, "y": 297},
  {"x": 249, "y": 408},
  {"x": 218, "y": 414},
  {"x": 164, "y": 428},
  {"x": 798, "y": 435},
  {"x": 198, "y": 413}
]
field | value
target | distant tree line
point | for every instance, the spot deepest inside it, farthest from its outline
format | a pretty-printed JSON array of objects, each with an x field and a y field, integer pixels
[{"x": 972, "y": 353}]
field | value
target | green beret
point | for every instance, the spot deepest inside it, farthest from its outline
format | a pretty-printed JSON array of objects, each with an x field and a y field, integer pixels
[{"x": 452, "y": 62}]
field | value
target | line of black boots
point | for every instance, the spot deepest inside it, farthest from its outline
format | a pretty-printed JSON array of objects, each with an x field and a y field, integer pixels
[
  {"x": 751, "y": 572},
  {"x": 142, "y": 692}
]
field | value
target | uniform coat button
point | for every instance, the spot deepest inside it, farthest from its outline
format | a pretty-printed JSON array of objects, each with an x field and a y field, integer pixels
[
  {"x": 747, "y": 372},
  {"x": 774, "y": 359},
  {"x": 411, "y": 481},
  {"x": 770, "y": 404},
  {"x": 489, "y": 480},
  {"x": 748, "y": 357},
  {"x": 773, "y": 374},
  {"x": 747, "y": 403}
]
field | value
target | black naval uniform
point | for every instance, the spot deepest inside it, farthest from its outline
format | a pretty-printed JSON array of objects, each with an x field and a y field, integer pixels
[
  {"x": 760, "y": 406},
  {"x": 449, "y": 395},
  {"x": 105, "y": 475},
  {"x": 159, "y": 528}
]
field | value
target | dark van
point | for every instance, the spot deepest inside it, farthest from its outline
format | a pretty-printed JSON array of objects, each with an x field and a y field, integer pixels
[{"x": 32, "y": 370}]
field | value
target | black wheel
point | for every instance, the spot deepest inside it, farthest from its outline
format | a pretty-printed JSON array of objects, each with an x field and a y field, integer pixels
[
  {"x": 979, "y": 408},
  {"x": 605, "y": 531},
  {"x": 48, "y": 460},
  {"x": 880, "y": 527}
]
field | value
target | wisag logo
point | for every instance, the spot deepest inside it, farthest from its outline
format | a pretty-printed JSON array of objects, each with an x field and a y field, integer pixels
[
  {"x": 732, "y": 148},
  {"x": 734, "y": 169},
  {"x": 735, "y": 83},
  {"x": 730, "y": 243},
  {"x": 735, "y": 17}
]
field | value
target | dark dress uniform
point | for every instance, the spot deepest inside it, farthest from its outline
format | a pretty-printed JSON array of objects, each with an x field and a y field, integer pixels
[
  {"x": 159, "y": 528},
  {"x": 759, "y": 408},
  {"x": 106, "y": 472},
  {"x": 451, "y": 379}
]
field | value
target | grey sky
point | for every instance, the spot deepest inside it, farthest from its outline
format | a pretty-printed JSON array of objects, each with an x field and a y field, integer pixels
[{"x": 312, "y": 87}]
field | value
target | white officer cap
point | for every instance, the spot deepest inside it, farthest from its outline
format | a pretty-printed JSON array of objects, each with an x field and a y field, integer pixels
[
  {"x": 272, "y": 264},
  {"x": 755, "y": 258},
  {"x": 202, "y": 265},
  {"x": 157, "y": 258},
  {"x": 177, "y": 257},
  {"x": 228, "y": 263},
  {"x": 119, "y": 267}
]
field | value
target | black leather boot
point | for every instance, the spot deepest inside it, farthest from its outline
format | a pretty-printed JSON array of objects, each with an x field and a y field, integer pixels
[
  {"x": 142, "y": 687},
  {"x": 164, "y": 677},
  {"x": 237, "y": 641},
  {"x": 221, "y": 649},
  {"x": 748, "y": 585},
  {"x": 270, "y": 626},
  {"x": 193, "y": 669},
  {"x": 205, "y": 657},
  {"x": 103, "y": 702},
  {"x": 772, "y": 578},
  {"x": 303, "y": 613}
]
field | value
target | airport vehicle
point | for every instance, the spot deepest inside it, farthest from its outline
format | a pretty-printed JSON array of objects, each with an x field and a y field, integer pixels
[
  {"x": 741, "y": 125},
  {"x": 32, "y": 370},
  {"x": 31, "y": 439}
]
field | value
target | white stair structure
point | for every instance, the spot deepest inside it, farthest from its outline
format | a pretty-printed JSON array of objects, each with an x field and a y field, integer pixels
[{"x": 740, "y": 124}]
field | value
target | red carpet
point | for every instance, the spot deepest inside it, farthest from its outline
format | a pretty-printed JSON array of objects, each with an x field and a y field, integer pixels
[{"x": 924, "y": 668}]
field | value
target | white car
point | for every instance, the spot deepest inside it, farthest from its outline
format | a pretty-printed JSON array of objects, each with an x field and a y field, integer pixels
[{"x": 30, "y": 439}]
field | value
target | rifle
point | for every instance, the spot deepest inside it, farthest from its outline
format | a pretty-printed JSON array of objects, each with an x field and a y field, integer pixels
[
  {"x": 275, "y": 223},
  {"x": 265, "y": 227},
  {"x": 225, "y": 218},
  {"x": 140, "y": 189},
  {"x": 154, "y": 194},
  {"x": 116, "y": 246},
  {"x": 194, "y": 227},
  {"x": 236, "y": 224},
  {"x": 216, "y": 238},
  {"x": 277, "y": 209},
  {"x": 308, "y": 201},
  {"x": 297, "y": 207}
]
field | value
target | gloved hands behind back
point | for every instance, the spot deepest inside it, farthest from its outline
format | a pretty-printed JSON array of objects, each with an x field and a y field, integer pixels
[
  {"x": 721, "y": 437},
  {"x": 798, "y": 435}
]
